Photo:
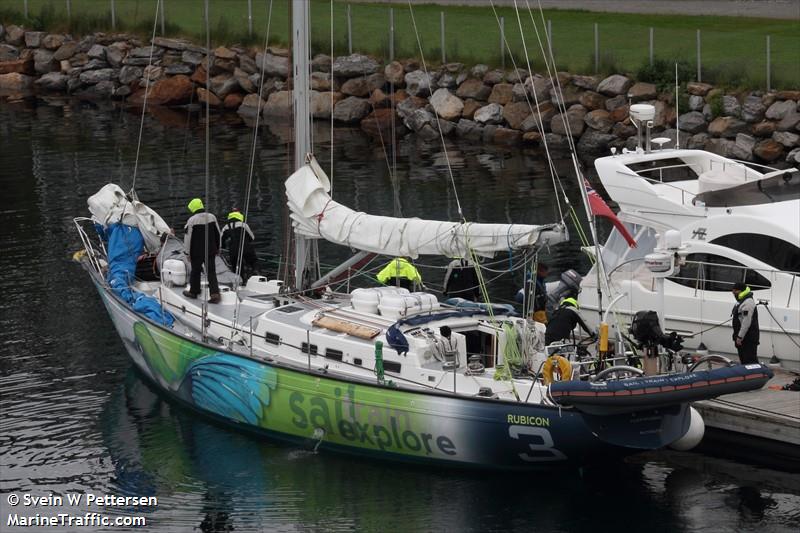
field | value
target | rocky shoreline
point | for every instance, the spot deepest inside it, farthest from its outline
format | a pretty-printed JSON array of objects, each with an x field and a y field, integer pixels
[{"x": 477, "y": 103}]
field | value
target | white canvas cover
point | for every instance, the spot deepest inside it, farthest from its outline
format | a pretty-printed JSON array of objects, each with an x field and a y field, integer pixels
[
  {"x": 315, "y": 215},
  {"x": 111, "y": 205}
]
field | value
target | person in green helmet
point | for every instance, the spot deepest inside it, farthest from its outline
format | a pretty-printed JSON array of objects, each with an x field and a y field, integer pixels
[
  {"x": 201, "y": 242},
  {"x": 564, "y": 320},
  {"x": 237, "y": 238},
  {"x": 745, "y": 324},
  {"x": 400, "y": 272}
]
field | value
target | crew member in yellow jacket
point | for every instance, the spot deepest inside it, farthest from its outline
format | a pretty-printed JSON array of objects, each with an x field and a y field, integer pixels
[{"x": 401, "y": 273}]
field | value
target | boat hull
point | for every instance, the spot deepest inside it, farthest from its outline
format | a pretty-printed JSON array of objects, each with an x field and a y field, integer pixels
[{"x": 310, "y": 407}]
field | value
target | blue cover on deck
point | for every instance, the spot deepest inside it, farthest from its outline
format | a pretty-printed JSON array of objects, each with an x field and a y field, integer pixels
[{"x": 125, "y": 244}]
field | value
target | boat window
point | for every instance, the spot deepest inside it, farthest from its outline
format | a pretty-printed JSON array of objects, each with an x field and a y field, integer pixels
[
  {"x": 717, "y": 273},
  {"x": 304, "y": 348},
  {"x": 272, "y": 338},
  {"x": 665, "y": 170},
  {"x": 771, "y": 250},
  {"x": 480, "y": 343},
  {"x": 391, "y": 366},
  {"x": 330, "y": 353}
]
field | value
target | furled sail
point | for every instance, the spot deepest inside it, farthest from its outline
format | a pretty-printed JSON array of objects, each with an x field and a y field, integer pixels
[{"x": 315, "y": 215}]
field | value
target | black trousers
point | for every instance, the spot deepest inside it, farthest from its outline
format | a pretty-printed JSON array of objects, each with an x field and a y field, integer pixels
[
  {"x": 211, "y": 274},
  {"x": 747, "y": 353},
  {"x": 248, "y": 261}
]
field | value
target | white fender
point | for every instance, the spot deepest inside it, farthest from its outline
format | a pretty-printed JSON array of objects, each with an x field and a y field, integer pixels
[{"x": 694, "y": 434}]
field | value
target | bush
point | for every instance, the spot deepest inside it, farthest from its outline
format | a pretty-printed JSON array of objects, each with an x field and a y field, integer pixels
[{"x": 662, "y": 73}]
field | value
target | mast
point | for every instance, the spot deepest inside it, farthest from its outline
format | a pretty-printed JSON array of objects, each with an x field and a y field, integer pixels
[{"x": 301, "y": 105}]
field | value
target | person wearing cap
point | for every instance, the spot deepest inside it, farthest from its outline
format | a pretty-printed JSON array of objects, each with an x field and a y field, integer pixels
[
  {"x": 201, "y": 241},
  {"x": 237, "y": 238},
  {"x": 564, "y": 320},
  {"x": 745, "y": 324}
]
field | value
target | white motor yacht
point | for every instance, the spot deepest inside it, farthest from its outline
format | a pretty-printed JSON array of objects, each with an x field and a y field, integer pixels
[{"x": 738, "y": 222}]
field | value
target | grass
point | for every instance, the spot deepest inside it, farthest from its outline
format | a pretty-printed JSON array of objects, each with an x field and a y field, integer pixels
[{"x": 733, "y": 48}]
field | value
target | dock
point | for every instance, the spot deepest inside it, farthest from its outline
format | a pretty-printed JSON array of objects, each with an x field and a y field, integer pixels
[{"x": 761, "y": 426}]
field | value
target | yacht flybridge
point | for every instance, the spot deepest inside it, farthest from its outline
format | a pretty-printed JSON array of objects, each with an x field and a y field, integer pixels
[
  {"x": 381, "y": 371},
  {"x": 738, "y": 222}
]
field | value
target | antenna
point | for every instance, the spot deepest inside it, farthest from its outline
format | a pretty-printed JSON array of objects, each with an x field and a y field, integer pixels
[{"x": 677, "y": 114}]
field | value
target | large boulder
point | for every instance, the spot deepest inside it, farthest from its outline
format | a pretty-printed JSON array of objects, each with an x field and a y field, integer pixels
[
  {"x": 592, "y": 100},
  {"x": 8, "y": 52},
  {"x": 97, "y": 51},
  {"x": 354, "y": 65},
  {"x": 15, "y": 35},
  {"x": 52, "y": 81},
  {"x": 447, "y": 105},
  {"x": 696, "y": 102},
  {"x": 321, "y": 103},
  {"x": 321, "y": 63},
  {"x": 790, "y": 122},
  {"x": 223, "y": 84},
  {"x": 378, "y": 123},
  {"x": 793, "y": 157},
  {"x": 43, "y": 61},
  {"x": 192, "y": 58},
  {"x": 351, "y": 109},
  {"x": 418, "y": 83},
  {"x": 470, "y": 106},
  {"x": 394, "y": 73},
  {"x": 764, "y": 128},
  {"x": 14, "y": 81},
  {"x": 475, "y": 89},
  {"x": 786, "y": 138},
  {"x": 753, "y": 109},
  {"x": 698, "y": 89},
  {"x": 573, "y": 118},
  {"x": 780, "y": 109},
  {"x": 272, "y": 65},
  {"x": 502, "y": 93},
  {"x": 692, "y": 122},
  {"x": 469, "y": 129},
  {"x": 769, "y": 150},
  {"x": 586, "y": 82},
  {"x": 493, "y": 77},
  {"x": 53, "y": 41},
  {"x": 489, "y": 114},
  {"x": 356, "y": 87},
  {"x": 642, "y": 91},
  {"x": 515, "y": 114},
  {"x": 116, "y": 52},
  {"x": 129, "y": 74},
  {"x": 207, "y": 97},
  {"x": 614, "y": 85},
  {"x": 506, "y": 136},
  {"x": 567, "y": 97},
  {"x": 727, "y": 127},
  {"x": 171, "y": 91},
  {"x": 746, "y": 143},
  {"x": 418, "y": 119},
  {"x": 65, "y": 51},
  {"x": 731, "y": 106},
  {"x": 90, "y": 77},
  {"x": 251, "y": 106},
  {"x": 593, "y": 143},
  {"x": 599, "y": 120},
  {"x": 278, "y": 106},
  {"x": 544, "y": 113},
  {"x": 33, "y": 39}
]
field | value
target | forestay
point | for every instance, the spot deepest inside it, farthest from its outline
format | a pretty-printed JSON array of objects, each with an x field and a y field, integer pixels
[{"x": 315, "y": 215}]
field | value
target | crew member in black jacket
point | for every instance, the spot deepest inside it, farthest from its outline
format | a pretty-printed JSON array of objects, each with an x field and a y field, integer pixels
[
  {"x": 201, "y": 238},
  {"x": 564, "y": 320},
  {"x": 745, "y": 324}
]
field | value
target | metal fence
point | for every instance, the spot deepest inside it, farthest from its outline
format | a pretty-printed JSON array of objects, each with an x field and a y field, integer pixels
[{"x": 447, "y": 40}]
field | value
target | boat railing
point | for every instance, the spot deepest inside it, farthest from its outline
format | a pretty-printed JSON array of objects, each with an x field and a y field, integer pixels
[
  {"x": 91, "y": 250},
  {"x": 654, "y": 181}
]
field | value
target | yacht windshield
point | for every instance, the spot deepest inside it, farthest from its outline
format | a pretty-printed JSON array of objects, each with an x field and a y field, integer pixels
[
  {"x": 770, "y": 250},
  {"x": 620, "y": 257},
  {"x": 666, "y": 170}
]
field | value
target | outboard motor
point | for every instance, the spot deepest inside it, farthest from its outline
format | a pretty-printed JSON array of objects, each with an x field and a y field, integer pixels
[
  {"x": 570, "y": 285},
  {"x": 646, "y": 329}
]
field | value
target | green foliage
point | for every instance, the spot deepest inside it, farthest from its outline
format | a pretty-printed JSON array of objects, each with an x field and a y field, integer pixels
[
  {"x": 662, "y": 73},
  {"x": 716, "y": 104}
]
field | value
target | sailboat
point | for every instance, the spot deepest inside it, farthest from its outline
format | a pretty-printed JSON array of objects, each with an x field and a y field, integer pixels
[{"x": 379, "y": 372}]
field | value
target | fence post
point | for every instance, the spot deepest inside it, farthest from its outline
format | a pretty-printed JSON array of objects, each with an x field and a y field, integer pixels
[
  {"x": 161, "y": 10},
  {"x": 769, "y": 70},
  {"x": 391, "y": 34},
  {"x": 699, "y": 60},
  {"x": 596, "y": 48},
  {"x": 69, "y": 9},
  {"x": 26, "y": 8},
  {"x": 113, "y": 16},
  {"x": 503, "y": 42},
  {"x": 250, "y": 18},
  {"x": 349, "y": 31},
  {"x": 441, "y": 24},
  {"x": 550, "y": 36},
  {"x": 651, "y": 46}
]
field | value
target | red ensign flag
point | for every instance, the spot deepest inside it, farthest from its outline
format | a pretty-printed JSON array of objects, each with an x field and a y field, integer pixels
[{"x": 600, "y": 208}]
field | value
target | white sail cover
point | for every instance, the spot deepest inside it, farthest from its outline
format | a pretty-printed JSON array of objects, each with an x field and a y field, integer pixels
[
  {"x": 110, "y": 205},
  {"x": 315, "y": 215}
]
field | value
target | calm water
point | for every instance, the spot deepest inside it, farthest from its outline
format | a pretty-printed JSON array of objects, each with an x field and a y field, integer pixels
[{"x": 75, "y": 417}]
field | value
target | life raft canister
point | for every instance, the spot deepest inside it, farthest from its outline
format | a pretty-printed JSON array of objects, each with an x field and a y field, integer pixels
[{"x": 549, "y": 367}]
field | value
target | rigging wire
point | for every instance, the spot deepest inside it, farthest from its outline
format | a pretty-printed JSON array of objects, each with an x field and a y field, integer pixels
[
  {"x": 144, "y": 101},
  {"x": 436, "y": 115}
]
